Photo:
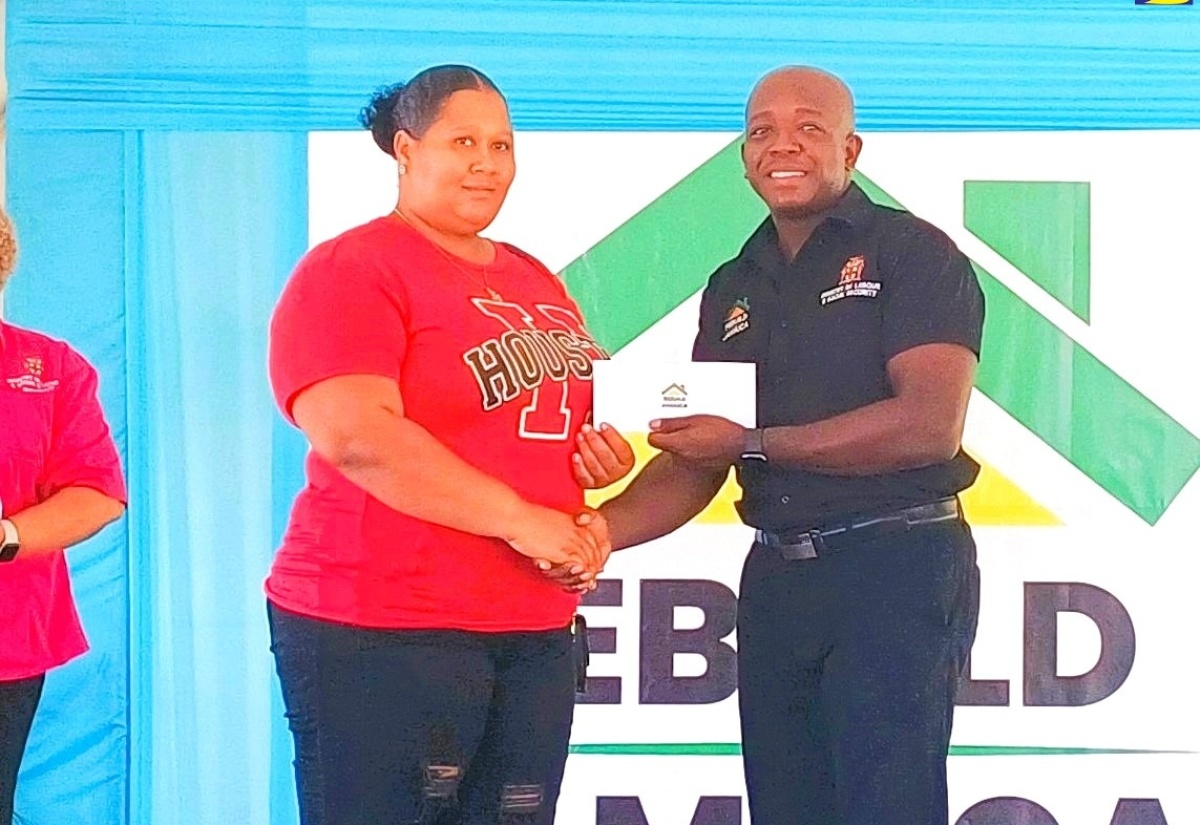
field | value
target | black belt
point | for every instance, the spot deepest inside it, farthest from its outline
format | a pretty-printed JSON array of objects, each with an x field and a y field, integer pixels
[{"x": 808, "y": 544}]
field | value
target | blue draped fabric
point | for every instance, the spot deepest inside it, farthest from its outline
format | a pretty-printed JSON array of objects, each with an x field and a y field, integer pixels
[
  {"x": 221, "y": 219},
  {"x": 166, "y": 283},
  {"x": 588, "y": 64},
  {"x": 157, "y": 173}
]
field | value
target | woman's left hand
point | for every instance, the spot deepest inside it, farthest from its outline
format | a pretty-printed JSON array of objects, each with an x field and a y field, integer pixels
[
  {"x": 575, "y": 578},
  {"x": 602, "y": 457}
]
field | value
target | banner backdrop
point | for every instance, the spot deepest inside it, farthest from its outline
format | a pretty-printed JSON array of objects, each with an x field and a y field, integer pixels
[
  {"x": 1078, "y": 709},
  {"x": 160, "y": 178}
]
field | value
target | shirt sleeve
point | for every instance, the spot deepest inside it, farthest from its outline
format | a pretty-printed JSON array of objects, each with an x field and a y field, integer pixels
[
  {"x": 932, "y": 294},
  {"x": 82, "y": 452},
  {"x": 337, "y": 316}
]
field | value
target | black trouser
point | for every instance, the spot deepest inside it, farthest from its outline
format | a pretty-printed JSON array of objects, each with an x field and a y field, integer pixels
[
  {"x": 847, "y": 668},
  {"x": 18, "y": 702},
  {"x": 397, "y": 727}
]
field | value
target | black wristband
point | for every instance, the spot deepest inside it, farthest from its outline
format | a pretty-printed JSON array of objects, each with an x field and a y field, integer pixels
[{"x": 752, "y": 446}]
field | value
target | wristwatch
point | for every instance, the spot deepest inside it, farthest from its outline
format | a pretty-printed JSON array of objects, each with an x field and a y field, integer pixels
[
  {"x": 9, "y": 543},
  {"x": 752, "y": 446}
]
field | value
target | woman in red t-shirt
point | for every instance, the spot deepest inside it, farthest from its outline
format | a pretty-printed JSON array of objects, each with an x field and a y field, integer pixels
[
  {"x": 444, "y": 384},
  {"x": 60, "y": 482}
]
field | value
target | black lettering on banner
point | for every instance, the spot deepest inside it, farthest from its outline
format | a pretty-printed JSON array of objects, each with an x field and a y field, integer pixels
[
  {"x": 1013, "y": 810},
  {"x": 660, "y": 641},
  {"x": 1006, "y": 810},
  {"x": 980, "y": 692},
  {"x": 493, "y": 372},
  {"x": 627, "y": 810},
  {"x": 1139, "y": 812},
  {"x": 1043, "y": 686},
  {"x": 602, "y": 690},
  {"x": 523, "y": 358},
  {"x": 1000, "y": 810}
]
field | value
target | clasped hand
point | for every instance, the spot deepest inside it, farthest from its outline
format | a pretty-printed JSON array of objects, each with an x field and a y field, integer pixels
[
  {"x": 602, "y": 457},
  {"x": 569, "y": 553}
]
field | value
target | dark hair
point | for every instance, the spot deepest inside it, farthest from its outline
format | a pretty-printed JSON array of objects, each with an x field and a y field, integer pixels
[{"x": 415, "y": 105}]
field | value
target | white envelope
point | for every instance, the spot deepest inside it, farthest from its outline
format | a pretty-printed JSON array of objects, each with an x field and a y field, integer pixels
[{"x": 630, "y": 393}]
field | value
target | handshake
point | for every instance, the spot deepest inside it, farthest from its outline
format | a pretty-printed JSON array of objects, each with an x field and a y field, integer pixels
[
  {"x": 569, "y": 550},
  {"x": 572, "y": 549}
]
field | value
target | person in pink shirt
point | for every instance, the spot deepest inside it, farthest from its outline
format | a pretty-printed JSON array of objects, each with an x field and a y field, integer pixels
[{"x": 60, "y": 482}]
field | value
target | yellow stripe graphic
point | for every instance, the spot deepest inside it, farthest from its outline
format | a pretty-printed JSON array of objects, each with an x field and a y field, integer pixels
[
  {"x": 993, "y": 501},
  {"x": 720, "y": 511}
]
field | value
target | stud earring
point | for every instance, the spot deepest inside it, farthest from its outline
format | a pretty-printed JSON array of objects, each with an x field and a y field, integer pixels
[{"x": 401, "y": 168}]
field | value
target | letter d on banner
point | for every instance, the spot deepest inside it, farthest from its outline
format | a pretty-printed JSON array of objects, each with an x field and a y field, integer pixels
[{"x": 1043, "y": 686}]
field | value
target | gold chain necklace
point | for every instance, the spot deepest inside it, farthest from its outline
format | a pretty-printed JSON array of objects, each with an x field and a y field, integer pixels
[{"x": 481, "y": 281}]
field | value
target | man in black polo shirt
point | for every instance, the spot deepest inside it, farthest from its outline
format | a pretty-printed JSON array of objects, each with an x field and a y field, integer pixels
[{"x": 859, "y": 597}]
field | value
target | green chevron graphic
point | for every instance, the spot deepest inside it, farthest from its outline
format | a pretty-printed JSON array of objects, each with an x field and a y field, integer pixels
[
  {"x": 664, "y": 254},
  {"x": 1041, "y": 228},
  {"x": 1044, "y": 379}
]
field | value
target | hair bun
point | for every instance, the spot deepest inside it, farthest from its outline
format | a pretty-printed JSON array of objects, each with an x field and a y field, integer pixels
[
  {"x": 379, "y": 115},
  {"x": 415, "y": 105}
]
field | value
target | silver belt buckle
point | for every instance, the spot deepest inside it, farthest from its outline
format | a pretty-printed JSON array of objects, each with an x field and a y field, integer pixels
[{"x": 805, "y": 548}]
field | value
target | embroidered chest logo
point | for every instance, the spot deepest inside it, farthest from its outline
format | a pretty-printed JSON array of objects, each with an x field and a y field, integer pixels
[
  {"x": 737, "y": 319},
  {"x": 31, "y": 381},
  {"x": 851, "y": 283}
]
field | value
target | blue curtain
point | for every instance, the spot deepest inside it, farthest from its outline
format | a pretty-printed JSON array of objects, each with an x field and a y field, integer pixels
[
  {"x": 157, "y": 173},
  {"x": 175, "y": 716},
  {"x": 221, "y": 219},
  {"x": 587, "y": 64}
]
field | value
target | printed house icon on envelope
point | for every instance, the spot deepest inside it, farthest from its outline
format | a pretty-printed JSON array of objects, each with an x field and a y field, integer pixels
[{"x": 674, "y": 396}]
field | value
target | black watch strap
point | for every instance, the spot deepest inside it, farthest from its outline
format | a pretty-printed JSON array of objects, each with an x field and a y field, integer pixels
[{"x": 752, "y": 446}]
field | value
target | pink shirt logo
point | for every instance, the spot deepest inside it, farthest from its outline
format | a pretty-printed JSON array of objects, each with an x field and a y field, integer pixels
[{"x": 32, "y": 381}]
